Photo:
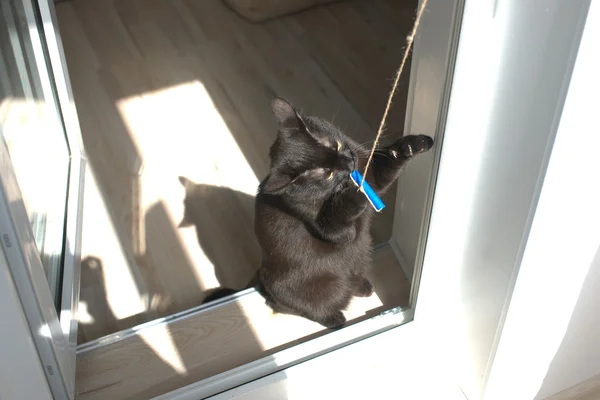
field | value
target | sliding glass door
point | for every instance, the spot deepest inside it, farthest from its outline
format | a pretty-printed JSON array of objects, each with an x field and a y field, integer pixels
[
  {"x": 41, "y": 170},
  {"x": 34, "y": 135}
]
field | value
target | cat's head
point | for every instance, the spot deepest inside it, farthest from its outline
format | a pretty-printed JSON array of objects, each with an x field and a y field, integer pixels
[{"x": 309, "y": 153}]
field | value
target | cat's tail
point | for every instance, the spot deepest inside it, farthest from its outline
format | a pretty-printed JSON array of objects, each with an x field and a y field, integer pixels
[
  {"x": 218, "y": 294},
  {"x": 221, "y": 292}
]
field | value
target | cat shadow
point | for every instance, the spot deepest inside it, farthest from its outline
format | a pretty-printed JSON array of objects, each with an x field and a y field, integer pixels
[
  {"x": 224, "y": 222},
  {"x": 95, "y": 310},
  {"x": 93, "y": 305}
]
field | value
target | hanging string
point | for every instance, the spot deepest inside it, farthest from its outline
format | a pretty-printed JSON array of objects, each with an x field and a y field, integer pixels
[{"x": 409, "y": 42}]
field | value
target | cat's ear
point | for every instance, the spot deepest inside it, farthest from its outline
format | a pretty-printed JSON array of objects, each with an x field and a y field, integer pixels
[
  {"x": 286, "y": 115},
  {"x": 187, "y": 184},
  {"x": 276, "y": 181},
  {"x": 185, "y": 222}
]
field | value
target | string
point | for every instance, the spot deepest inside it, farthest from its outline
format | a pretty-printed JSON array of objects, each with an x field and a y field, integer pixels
[{"x": 409, "y": 42}]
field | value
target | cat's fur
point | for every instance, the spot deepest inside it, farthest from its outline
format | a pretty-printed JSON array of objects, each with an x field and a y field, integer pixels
[{"x": 312, "y": 223}]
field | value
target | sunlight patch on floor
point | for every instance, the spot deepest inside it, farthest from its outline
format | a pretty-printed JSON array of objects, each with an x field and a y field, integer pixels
[
  {"x": 180, "y": 132},
  {"x": 272, "y": 330},
  {"x": 160, "y": 340},
  {"x": 83, "y": 316},
  {"x": 122, "y": 294}
]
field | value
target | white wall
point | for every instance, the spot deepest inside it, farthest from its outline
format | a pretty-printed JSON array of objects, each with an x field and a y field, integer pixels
[
  {"x": 578, "y": 357},
  {"x": 512, "y": 72},
  {"x": 21, "y": 374},
  {"x": 549, "y": 340}
]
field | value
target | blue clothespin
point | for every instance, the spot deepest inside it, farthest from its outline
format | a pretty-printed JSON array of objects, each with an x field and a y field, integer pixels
[{"x": 367, "y": 191}]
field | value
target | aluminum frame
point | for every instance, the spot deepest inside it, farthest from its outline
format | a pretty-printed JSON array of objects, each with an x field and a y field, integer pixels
[
  {"x": 74, "y": 212},
  {"x": 30, "y": 280},
  {"x": 55, "y": 333},
  {"x": 281, "y": 360}
]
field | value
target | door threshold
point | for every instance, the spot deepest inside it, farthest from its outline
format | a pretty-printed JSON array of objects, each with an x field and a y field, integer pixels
[{"x": 380, "y": 249}]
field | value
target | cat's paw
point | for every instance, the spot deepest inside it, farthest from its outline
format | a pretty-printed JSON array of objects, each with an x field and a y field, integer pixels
[
  {"x": 356, "y": 201},
  {"x": 411, "y": 145},
  {"x": 363, "y": 288},
  {"x": 333, "y": 321}
]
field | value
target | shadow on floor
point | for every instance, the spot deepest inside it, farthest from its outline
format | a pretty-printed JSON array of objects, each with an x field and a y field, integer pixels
[{"x": 225, "y": 232}]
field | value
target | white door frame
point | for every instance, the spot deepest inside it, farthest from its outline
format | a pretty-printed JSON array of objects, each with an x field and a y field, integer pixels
[
  {"x": 512, "y": 73},
  {"x": 562, "y": 244},
  {"x": 74, "y": 213}
]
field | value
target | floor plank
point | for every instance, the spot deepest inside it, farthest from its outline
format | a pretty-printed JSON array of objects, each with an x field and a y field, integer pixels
[{"x": 586, "y": 390}]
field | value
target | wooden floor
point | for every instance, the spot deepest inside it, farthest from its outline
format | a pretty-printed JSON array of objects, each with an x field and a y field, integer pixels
[
  {"x": 162, "y": 358},
  {"x": 170, "y": 88},
  {"x": 586, "y": 390}
]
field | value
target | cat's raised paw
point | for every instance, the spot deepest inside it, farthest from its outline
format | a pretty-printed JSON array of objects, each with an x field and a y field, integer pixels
[{"x": 411, "y": 145}]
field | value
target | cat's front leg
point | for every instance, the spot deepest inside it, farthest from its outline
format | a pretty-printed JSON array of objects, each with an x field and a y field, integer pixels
[
  {"x": 335, "y": 223},
  {"x": 361, "y": 286},
  {"x": 388, "y": 162}
]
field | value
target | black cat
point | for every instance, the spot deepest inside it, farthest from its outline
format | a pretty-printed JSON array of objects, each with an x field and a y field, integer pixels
[{"x": 312, "y": 223}]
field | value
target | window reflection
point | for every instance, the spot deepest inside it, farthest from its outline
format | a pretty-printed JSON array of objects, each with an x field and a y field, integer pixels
[{"x": 31, "y": 127}]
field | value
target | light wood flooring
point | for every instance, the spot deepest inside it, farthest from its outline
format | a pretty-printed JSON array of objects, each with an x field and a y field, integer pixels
[
  {"x": 170, "y": 88},
  {"x": 586, "y": 390},
  {"x": 162, "y": 358}
]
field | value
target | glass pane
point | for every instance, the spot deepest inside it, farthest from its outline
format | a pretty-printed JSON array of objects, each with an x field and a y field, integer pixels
[{"x": 32, "y": 128}]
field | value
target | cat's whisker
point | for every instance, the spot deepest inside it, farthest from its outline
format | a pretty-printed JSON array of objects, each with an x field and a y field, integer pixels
[
  {"x": 334, "y": 115},
  {"x": 369, "y": 142},
  {"x": 366, "y": 157}
]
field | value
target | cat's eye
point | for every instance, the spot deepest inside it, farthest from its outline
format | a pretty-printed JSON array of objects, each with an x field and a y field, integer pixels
[
  {"x": 339, "y": 145},
  {"x": 330, "y": 177}
]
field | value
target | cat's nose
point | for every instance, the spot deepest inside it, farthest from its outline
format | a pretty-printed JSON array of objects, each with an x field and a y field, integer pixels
[{"x": 351, "y": 163}]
